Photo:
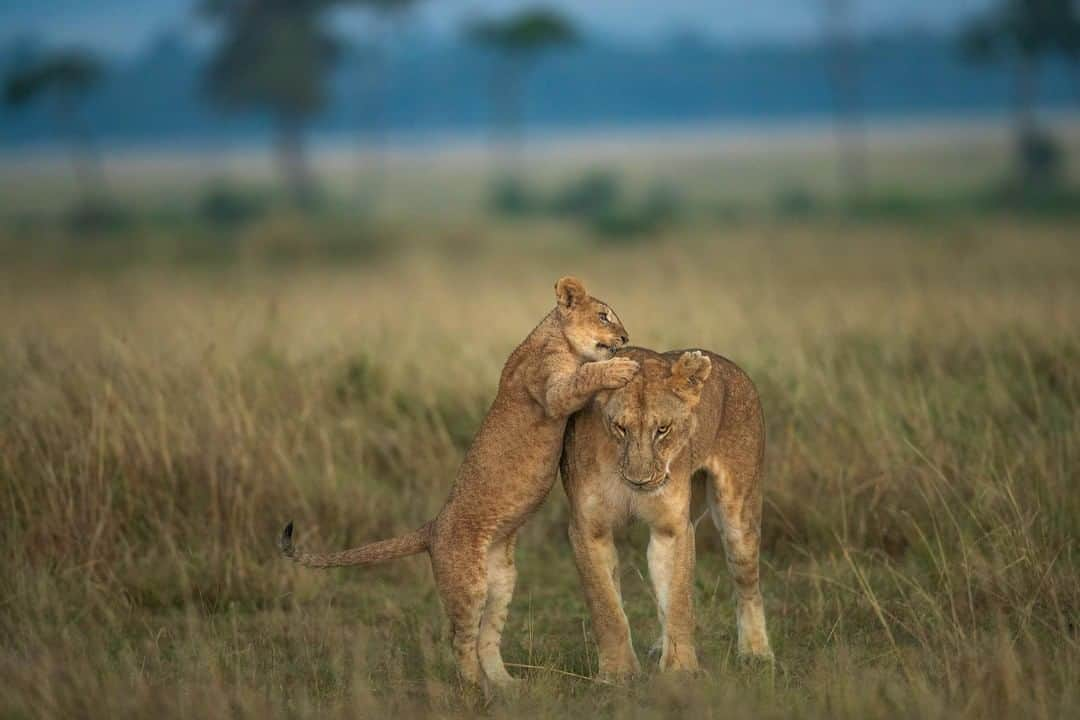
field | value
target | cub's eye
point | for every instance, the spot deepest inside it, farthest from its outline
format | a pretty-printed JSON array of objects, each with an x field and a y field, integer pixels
[
  {"x": 619, "y": 429},
  {"x": 662, "y": 430},
  {"x": 604, "y": 318}
]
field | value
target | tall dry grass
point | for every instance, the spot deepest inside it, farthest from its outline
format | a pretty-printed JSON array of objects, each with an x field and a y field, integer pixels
[{"x": 921, "y": 387}]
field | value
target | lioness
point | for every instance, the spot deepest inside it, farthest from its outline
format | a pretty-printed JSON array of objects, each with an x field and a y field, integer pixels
[
  {"x": 506, "y": 474},
  {"x": 632, "y": 452}
]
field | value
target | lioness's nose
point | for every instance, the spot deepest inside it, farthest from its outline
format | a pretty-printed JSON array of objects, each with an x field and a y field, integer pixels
[{"x": 623, "y": 339}]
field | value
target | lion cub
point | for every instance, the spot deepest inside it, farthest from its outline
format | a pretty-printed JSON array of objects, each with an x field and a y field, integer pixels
[
  {"x": 631, "y": 453},
  {"x": 506, "y": 474}
]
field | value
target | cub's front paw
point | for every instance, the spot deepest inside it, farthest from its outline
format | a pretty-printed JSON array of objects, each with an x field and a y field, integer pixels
[{"x": 617, "y": 372}]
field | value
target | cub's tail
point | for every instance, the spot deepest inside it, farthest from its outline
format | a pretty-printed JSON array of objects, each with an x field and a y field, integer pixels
[{"x": 410, "y": 544}]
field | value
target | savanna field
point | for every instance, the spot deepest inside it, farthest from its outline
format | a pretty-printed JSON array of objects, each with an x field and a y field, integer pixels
[{"x": 163, "y": 417}]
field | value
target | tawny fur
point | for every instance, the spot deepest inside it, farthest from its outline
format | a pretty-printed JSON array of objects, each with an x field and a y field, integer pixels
[
  {"x": 631, "y": 453},
  {"x": 507, "y": 472}
]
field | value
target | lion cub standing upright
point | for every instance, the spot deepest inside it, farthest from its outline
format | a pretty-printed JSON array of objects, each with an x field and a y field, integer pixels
[{"x": 508, "y": 471}]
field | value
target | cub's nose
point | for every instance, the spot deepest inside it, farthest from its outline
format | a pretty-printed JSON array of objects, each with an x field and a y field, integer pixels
[{"x": 623, "y": 339}]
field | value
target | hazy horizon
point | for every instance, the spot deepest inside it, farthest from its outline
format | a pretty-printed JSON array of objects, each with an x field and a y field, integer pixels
[{"x": 127, "y": 26}]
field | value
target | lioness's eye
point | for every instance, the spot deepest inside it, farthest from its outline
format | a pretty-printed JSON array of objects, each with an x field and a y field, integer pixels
[
  {"x": 604, "y": 318},
  {"x": 662, "y": 430},
  {"x": 619, "y": 429}
]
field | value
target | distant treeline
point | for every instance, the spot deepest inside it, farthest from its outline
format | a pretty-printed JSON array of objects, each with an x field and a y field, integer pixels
[{"x": 430, "y": 86}]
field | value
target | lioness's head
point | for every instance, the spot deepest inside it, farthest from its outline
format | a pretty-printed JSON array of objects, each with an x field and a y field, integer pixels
[
  {"x": 591, "y": 327},
  {"x": 651, "y": 419}
]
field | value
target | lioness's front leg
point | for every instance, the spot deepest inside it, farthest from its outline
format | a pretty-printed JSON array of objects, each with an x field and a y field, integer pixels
[
  {"x": 598, "y": 566},
  {"x": 567, "y": 392},
  {"x": 671, "y": 569}
]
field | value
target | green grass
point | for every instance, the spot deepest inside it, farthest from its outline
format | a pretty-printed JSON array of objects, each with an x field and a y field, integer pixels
[
  {"x": 176, "y": 385},
  {"x": 157, "y": 428}
]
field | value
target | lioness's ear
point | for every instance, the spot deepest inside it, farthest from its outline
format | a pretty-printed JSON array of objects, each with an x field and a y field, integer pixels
[
  {"x": 688, "y": 376},
  {"x": 569, "y": 292}
]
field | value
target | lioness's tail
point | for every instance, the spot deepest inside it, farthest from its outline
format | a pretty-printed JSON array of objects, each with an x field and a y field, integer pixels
[{"x": 416, "y": 541}]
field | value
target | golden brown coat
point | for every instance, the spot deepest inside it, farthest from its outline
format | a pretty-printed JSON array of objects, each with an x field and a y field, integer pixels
[
  {"x": 506, "y": 474},
  {"x": 631, "y": 453}
]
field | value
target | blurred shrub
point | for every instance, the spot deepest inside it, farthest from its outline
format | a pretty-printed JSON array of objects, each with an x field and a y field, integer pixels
[
  {"x": 511, "y": 197},
  {"x": 1012, "y": 196},
  {"x": 592, "y": 195},
  {"x": 228, "y": 205},
  {"x": 1030, "y": 199},
  {"x": 662, "y": 203},
  {"x": 99, "y": 216},
  {"x": 896, "y": 205},
  {"x": 1040, "y": 158},
  {"x": 628, "y": 222},
  {"x": 796, "y": 201},
  {"x": 729, "y": 212},
  {"x": 597, "y": 201}
]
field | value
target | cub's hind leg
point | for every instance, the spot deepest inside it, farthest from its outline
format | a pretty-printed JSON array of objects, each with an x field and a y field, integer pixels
[
  {"x": 461, "y": 576},
  {"x": 501, "y": 576}
]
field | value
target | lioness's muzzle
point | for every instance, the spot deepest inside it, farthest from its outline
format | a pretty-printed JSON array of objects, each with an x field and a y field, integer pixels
[{"x": 649, "y": 483}]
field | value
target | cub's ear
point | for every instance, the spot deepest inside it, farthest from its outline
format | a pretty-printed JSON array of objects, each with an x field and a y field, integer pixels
[
  {"x": 569, "y": 292},
  {"x": 688, "y": 376}
]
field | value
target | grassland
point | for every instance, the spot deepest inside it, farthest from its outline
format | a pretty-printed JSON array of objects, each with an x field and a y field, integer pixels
[{"x": 921, "y": 383}]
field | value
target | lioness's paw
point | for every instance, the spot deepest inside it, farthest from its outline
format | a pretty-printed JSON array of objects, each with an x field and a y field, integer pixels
[
  {"x": 757, "y": 655},
  {"x": 617, "y": 372},
  {"x": 619, "y": 667},
  {"x": 618, "y": 677}
]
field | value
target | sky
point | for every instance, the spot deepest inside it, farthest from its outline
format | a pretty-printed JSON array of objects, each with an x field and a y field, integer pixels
[{"x": 125, "y": 26}]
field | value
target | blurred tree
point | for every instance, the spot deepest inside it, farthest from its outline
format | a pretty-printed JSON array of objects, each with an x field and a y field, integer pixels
[
  {"x": 390, "y": 18},
  {"x": 1026, "y": 32},
  {"x": 65, "y": 78},
  {"x": 275, "y": 56},
  {"x": 519, "y": 39},
  {"x": 843, "y": 69}
]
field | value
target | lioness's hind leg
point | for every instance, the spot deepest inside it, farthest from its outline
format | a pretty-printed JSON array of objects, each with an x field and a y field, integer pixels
[
  {"x": 501, "y": 576},
  {"x": 735, "y": 503}
]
